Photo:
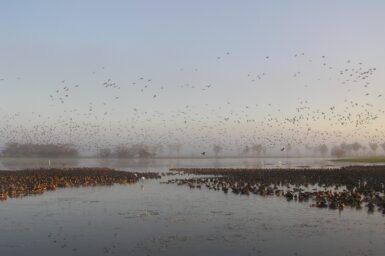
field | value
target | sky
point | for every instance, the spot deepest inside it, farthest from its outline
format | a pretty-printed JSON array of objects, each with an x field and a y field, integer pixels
[{"x": 100, "y": 73}]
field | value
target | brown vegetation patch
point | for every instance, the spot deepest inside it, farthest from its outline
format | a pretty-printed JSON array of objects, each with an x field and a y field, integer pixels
[{"x": 26, "y": 182}]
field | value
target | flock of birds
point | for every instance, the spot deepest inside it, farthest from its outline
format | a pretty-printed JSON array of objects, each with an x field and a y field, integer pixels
[{"x": 323, "y": 103}]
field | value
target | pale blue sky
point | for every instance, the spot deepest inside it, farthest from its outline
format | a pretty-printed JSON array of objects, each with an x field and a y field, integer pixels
[{"x": 177, "y": 43}]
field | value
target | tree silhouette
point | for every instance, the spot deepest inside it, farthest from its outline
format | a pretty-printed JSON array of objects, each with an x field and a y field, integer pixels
[
  {"x": 39, "y": 150},
  {"x": 383, "y": 146},
  {"x": 373, "y": 147},
  {"x": 104, "y": 153},
  {"x": 356, "y": 147},
  {"x": 246, "y": 150},
  {"x": 338, "y": 151},
  {"x": 217, "y": 149},
  {"x": 323, "y": 149},
  {"x": 257, "y": 149}
]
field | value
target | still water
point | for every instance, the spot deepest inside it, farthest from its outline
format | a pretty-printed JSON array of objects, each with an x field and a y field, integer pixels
[
  {"x": 150, "y": 218},
  {"x": 165, "y": 164}
]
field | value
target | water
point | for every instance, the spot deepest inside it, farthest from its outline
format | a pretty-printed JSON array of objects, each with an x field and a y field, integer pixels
[
  {"x": 157, "y": 219},
  {"x": 165, "y": 164}
]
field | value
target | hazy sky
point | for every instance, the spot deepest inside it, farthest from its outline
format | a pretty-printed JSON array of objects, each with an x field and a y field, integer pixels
[{"x": 227, "y": 72}]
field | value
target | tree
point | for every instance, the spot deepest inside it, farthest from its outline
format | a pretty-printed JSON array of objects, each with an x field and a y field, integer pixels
[
  {"x": 217, "y": 149},
  {"x": 245, "y": 150},
  {"x": 288, "y": 149},
  {"x": 257, "y": 149},
  {"x": 135, "y": 151},
  {"x": 347, "y": 148},
  {"x": 308, "y": 147},
  {"x": 39, "y": 150},
  {"x": 122, "y": 151},
  {"x": 373, "y": 147},
  {"x": 104, "y": 153},
  {"x": 323, "y": 149},
  {"x": 337, "y": 151},
  {"x": 141, "y": 151},
  {"x": 383, "y": 146},
  {"x": 356, "y": 147}
]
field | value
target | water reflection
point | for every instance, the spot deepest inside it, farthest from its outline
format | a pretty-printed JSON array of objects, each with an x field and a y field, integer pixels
[
  {"x": 173, "y": 220},
  {"x": 149, "y": 218},
  {"x": 165, "y": 164}
]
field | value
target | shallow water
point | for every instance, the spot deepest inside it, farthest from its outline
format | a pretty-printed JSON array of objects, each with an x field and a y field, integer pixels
[
  {"x": 157, "y": 219},
  {"x": 165, "y": 164}
]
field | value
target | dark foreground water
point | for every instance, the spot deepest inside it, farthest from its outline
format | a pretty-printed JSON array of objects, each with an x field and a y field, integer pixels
[{"x": 150, "y": 218}]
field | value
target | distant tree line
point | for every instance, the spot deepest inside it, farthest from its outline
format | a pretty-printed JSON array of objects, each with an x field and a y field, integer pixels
[
  {"x": 125, "y": 151},
  {"x": 39, "y": 150},
  {"x": 341, "y": 150},
  {"x": 349, "y": 149},
  {"x": 147, "y": 151}
]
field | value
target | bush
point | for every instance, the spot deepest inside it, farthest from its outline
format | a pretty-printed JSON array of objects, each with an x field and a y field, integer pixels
[{"x": 39, "y": 150}]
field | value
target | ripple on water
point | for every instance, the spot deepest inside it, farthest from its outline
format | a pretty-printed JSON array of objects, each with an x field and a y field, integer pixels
[{"x": 159, "y": 219}]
